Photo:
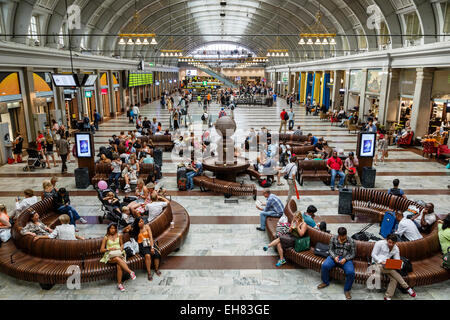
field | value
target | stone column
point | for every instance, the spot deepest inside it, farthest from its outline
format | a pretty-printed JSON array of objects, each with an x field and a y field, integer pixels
[
  {"x": 363, "y": 108},
  {"x": 289, "y": 82},
  {"x": 389, "y": 97},
  {"x": 28, "y": 95},
  {"x": 98, "y": 95},
  {"x": 347, "y": 89},
  {"x": 112, "y": 96},
  {"x": 420, "y": 117},
  {"x": 335, "y": 95}
]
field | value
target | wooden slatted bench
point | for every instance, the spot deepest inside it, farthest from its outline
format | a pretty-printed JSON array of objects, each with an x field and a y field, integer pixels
[
  {"x": 103, "y": 171},
  {"x": 46, "y": 261},
  {"x": 425, "y": 255},
  {"x": 226, "y": 187}
]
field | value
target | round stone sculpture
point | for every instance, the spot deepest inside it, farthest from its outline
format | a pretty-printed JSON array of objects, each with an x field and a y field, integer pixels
[{"x": 225, "y": 125}]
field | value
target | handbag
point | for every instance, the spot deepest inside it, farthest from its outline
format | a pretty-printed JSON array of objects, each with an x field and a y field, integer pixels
[
  {"x": 115, "y": 253},
  {"x": 386, "y": 154},
  {"x": 302, "y": 244},
  {"x": 322, "y": 249},
  {"x": 286, "y": 176},
  {"x": 146, "y": 242}
]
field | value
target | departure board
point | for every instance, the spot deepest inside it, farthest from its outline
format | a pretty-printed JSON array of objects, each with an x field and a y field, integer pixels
[{"x": 139, "y": 79}]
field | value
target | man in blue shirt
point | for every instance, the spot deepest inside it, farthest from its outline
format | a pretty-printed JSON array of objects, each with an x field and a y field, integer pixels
[
  {"x": 396, "y": 191},
  {"x": 196, "y": 171},
  {"x": 312, "y": 139},
  {"x": 274, "y": 208}
]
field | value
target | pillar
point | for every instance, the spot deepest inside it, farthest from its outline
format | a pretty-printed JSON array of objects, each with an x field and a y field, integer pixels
[
  {"x": 363, "y": 107},
  {"x": 303, "y": 84},
  {"x": 325, "y": 91},
  {"x": 98, "y": 95},
  {"x": 289, "y": 82},
  {"x": 309, "y": 78},
  {"x": 420, "y": 117},
  {"x": 389, "y": 97},
  {"x": 335, "y": 95},
  {"x": 316, "y": 86},
  {"x": 28, "y": 95},
  {"x": 112, "y": 98},
  {"x": 347, "y": 89}
]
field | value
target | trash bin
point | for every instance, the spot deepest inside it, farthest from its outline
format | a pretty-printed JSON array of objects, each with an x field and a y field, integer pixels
[
  {"x": 82, "y": 180},
  {"x": 368, "y": 177},
  {"x": 345, "y": 201}
]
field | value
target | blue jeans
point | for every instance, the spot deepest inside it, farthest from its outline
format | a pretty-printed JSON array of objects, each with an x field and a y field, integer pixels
[
  {"x": 333, "y": 177},
  {"x": 264, "y": 214},
  {"x": 71, "y": 212},
  {"x": 190, "y": 179},
  {"x": 349, "y": 271},
  {"x": 115, "y": 177}
]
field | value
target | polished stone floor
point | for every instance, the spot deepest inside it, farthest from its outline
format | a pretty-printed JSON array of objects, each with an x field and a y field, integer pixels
[{"x": 225, "y": 232}]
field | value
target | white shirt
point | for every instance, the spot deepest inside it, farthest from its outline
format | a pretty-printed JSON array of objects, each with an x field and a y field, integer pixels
[
  {"x": 136, "y": 110},
  {"x": 290, "y": 169},
  {"x": 380, "y": 252},
  {"x": 429, "y": 218},
  {"x": 409, "y": 229},
  {"x": 155, "y": 208},
  {"x": 25, "y": 203},
  {"x": 64, "y": 232}
]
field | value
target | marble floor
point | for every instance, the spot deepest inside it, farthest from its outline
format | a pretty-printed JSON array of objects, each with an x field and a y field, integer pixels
[{"x": 223, "y": 250}]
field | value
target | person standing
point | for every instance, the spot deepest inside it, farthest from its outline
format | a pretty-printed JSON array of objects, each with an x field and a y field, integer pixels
[
  {"x": 18, "y": 145},
  {"x": 334, "y": 164},
  {"x": 97, "y": 118},
  {"x": 136, "y": 112},
  {"x": 342, "y": 251},
  {"x": 62, "y": 147},
  {"x": 209, "y": 99},
  {"x": 291, "y": 115},
  {"x": 388, "y": 249},
  {"x": 273, "y": 208},
  {"x": 290, "y": 171},
  {"x": 284, "y": 117}
]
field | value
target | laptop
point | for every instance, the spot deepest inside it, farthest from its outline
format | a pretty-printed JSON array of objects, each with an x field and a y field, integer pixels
[{"x": 394, "y": 264}]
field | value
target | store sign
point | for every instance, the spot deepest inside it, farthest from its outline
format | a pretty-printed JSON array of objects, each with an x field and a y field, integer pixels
[
  {"x": 151, "y": 64},
  {"x": 88, "y": 94},
  {"x": 205, "y": 83},
  {"x": 104, "y": 91}
]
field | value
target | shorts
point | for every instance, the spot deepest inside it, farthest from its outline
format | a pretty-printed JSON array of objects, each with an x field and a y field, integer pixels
[
  {"x": 143, "y": 251},
  {"x": 49, "y": 149},
  {"x": 287, "y": 241}
]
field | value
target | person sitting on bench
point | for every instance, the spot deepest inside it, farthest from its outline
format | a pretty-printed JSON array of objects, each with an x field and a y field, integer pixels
[
  {"x": 388, "y": 249},
  {"x": 273, "y": 208},
  {"x": 407, "y": 229}
]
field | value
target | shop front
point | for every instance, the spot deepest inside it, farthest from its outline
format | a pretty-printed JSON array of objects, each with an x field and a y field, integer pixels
[
  {"x": 354, "y": 91},
  {"x": 72, "y": 110},
  {"x": 105, "y": 96},
  {"x": 44, "y": 109},
  {"x": 89, "y": 100},
  {"x": 407, "y": 87},
  {"x": 440, "y": 101},
  {"x": 12, "y": 115}
]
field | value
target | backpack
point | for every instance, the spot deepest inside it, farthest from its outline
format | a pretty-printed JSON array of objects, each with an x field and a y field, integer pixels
[
  {"x": 265, "y": 183},
  {"x": 286, "y": 116},
  {"x": 446, "y": 260}
]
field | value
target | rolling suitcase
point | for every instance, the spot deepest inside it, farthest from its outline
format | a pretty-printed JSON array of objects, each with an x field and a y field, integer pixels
[
  {"x": 181, "y": 179},
  {"x": 388, "y": 224},
  {"x": 158, "y": 155}
]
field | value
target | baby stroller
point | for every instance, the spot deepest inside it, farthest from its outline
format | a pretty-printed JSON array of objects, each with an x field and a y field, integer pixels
[
  {"x": 111, "y": 212},
  {"x": 35, "y": 160}
]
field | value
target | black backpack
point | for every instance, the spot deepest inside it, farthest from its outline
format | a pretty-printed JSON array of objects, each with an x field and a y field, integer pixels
[
  {"x": 286, "y": 116},
  {"x": 265, "y": 183}
]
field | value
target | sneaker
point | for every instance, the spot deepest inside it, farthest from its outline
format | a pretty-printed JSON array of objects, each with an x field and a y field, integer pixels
[
  {"x": 265, "y": 248},
  {"x": 127, "y": 190},
  {"x": 411, "y": 292},
  {"x": 348, "y": 296},
  {"x": 332, "y": 188},
  {"x": 322, "y": 285},
  {"x": 127, "y": 186},
  {"x": 121, "y": 288},
  {"x": 387, "y": 298},
  {"x": 280, "y": 262},
  {"x": 132, "y": 275},
  {"x": 83, "y": 221},
  {"x": 260, "y": 229}
]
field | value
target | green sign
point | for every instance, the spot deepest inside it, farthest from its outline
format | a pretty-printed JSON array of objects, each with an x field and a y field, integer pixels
[
  {"x": 285, "y": 79},
  {"x": 151, "y": 64},
  {"x": 205, "y": 83},
  {"x": 88, "y": 94}
]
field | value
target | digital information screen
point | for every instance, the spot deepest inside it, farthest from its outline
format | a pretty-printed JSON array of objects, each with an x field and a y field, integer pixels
[
  {"x": 89, "y": 81},
  {"x": 64, "y": 80},
  {"x": 367, "y": 146},
  {"x": 83, "y": 143},
  {"x": 139, "y": 79}
]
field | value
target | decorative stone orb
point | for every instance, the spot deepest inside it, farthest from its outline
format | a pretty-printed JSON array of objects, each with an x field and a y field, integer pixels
[{"x": 225, "y": 123}]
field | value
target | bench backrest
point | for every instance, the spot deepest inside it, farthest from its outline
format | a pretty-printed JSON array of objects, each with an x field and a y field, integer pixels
[
  {"x": 73, "y": 249},
  {"x": 302, "y": 149},
  {"x": 160, "y": 138},
  {"x": 312, "y": 165},
  {"x": 383, "y": 198}
]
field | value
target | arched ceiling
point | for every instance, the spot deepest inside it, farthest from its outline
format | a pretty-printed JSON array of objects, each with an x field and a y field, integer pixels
[{"x": 250, "y": 23}]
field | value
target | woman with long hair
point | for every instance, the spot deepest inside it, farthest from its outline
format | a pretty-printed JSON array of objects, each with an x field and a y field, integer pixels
[
  {"x": 112, "y": 247},
  {"x": 444, "y": 233},
  {"x": 286, "y": 235},
  {"x": 148, "y": 248}
]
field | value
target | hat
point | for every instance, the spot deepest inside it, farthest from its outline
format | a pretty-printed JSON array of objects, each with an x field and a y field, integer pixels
[{"x": 151, "y": 185}]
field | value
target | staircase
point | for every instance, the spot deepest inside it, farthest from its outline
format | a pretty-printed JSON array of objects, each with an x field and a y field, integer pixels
[{"x": 219, "y": 76}]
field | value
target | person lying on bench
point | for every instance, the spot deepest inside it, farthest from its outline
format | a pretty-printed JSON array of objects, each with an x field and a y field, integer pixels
[
  {"x": 407, "y": 229},
  {"x": 388, "y": 249},
  {"x": 35, "y": 227}
]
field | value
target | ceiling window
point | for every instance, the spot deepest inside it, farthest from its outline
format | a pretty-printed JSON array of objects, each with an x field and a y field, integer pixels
[
  {"x": 33, "y": 29},
  {"x": 383, "y": 38},
  {"x": 412, "y": 24},
  {"x": 61, "y": 37}
]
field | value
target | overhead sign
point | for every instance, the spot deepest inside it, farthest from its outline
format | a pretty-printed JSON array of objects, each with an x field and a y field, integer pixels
[
  {"x": 88, "y": 94},
  {"x": 205, "y": 83}
]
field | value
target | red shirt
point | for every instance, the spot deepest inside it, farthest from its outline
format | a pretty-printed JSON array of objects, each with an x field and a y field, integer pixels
[
  {"x": 282, "y": 115},
  {"x": 38, "y": 142},
  {"x": 335, "y": 164}
]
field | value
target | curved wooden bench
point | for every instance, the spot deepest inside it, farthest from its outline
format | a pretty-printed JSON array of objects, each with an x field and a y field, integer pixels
[
  {"x": 424, "y": 254},
  {"x": 102, "y": 172},
  {"x": 313, "y": 170},
  {"x": 162, "y": 141},
  {"x": 46, "y": 261},
  {"x": 226, "y": 187}
]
